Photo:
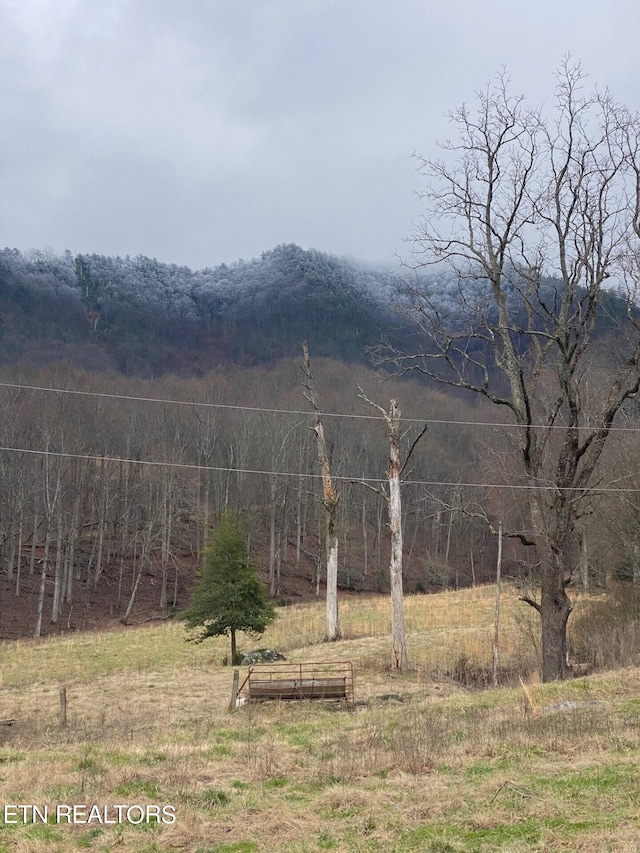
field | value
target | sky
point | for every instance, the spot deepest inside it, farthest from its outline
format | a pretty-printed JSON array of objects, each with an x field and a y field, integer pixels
[{"x": 203, "y": 131}]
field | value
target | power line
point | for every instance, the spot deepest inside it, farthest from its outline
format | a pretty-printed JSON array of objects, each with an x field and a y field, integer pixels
[
  {"x": 192, "y": 403},
  {"x": 183, "y": 465},
  {"x": 306, "y": 413},
  {"x": 300, "y": 476}
]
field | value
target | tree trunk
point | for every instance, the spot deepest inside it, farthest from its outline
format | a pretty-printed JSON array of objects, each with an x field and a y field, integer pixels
[
  {"x": 56, "y": 604},
  {"x": 43, "y": 587},
  {"x": 104, "y": 505},
  {"x": 496, "y": 621},
  {"x": 167, "y": 519},
  {"x": 398, "y": 639},
  {"x": 365, "y": 543},
  {"x": 12, "y": 555},
  {"x": 272, "y": 538},
  {"x": 19, "y": 566},
  {"x": 298, "y": 528},
  {"x": 584, "y": 561},
  {"x": 332, "y": 617},
  {"x": 146, "y": 548},
  {"x": 234, "y": 648},
  {"x": 134, "y": 592},
  {"x": 283, "y": 535},
  {"x": 205, "y": 513},
  {"x": 555, "y": 607},
  {"x": 34, "y": 538},
  {"x": 378, "y": 544},
  {"x": 330, "y": 500},
  {"x": 73, "y": 538},
  {"x": 393, "y": 500}
]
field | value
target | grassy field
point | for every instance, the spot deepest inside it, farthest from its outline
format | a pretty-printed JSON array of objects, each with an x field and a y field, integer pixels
[{"x": 423, "y": 762}]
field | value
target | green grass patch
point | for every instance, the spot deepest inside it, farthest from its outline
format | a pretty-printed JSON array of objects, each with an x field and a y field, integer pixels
[
  {"x": 631, "y": 708},
  {"x": 138, "y": 786},
  {"x": 589, "y": 782},
  {"x": 152, "y": 758},
  {"x": 87, "y": 656},
  {"x": 212, "y": 798},
  {"x": 61, "y": 793},
  {"x": 87, "y": 764},
  {"x": 85, "y": 841},
  {"x": 444, "y": 837},
  {"x": 220, "y": 750},
  {"x": 326, "y": 841},
  {"x": 562, "y": 826},
  {"x": 302, "y": 735},
  {"x": 480, "y": 769},
  {"x": 501, "y": 836},
  {"x": 43, "y": 832},
  {"x": 276, "y": 782},
  {"x": 248, "y": 734},
  {"x": 10, "y": 756},
  {"x": 117, "y": 757}
]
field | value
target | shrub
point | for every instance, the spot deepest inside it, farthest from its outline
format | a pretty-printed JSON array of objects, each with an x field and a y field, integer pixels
[{"x": 605, "y": 632}]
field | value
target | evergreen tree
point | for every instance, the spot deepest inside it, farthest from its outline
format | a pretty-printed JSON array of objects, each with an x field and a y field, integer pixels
[{"x": 229, "y": 596}]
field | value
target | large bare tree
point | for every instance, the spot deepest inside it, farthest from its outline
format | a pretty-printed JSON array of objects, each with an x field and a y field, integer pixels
[
  {"x": 531, "y": 223},
  {"x": 330, "y": 501}
]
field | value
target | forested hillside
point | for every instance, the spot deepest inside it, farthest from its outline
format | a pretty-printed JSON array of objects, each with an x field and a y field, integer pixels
[
  {"x": 161, "y": 416},
  {"x": 108, "y": 492},
  {"x": 140, "y": 317},
  {"x": 106, "y": 499}
]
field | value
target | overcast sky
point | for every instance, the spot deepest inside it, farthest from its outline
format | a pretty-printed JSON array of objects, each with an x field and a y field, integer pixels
[{"x": 202, "y": 131}]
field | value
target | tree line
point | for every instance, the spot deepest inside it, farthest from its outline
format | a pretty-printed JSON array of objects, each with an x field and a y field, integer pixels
[{"x": 110, "y": 499}]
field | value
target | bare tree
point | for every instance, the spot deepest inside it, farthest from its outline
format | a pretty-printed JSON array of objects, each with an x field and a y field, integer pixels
[
  {"x": 51, "y": 494},
  {"x": 330, "y": 500},
  {"x": 530, "y": 224},
  {"x": 393, "y": 499}
]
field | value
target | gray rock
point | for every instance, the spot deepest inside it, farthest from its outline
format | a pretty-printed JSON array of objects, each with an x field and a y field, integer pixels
[
  {"x": 261, "y": 656},
  {"x": 390, "y": 697}
]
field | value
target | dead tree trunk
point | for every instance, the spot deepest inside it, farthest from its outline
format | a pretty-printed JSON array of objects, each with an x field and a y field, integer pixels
[
  {"x": 398, "y": 638},
  {"x": 330, "y": 501},
  {"x": 393, "y": 499},
  {"x": 146, "y": 548},
  {"x": 102, "y": 520},
  {"x": 51, "y": 498}
]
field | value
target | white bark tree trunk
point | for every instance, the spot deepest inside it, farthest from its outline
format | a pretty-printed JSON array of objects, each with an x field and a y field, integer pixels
[
  {"x": 398, "y": 637},
  {"x": 393, "y": 498},
  {"x": 330, "y": 500}
]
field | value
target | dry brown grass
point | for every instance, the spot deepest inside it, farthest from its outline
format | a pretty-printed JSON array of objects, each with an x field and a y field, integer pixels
[{"x": 444, "y": 769}]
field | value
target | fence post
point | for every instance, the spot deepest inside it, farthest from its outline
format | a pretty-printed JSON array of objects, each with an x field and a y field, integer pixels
[
  {"x": 63, "y": 707},
  {"x": 234, "y": 689}
]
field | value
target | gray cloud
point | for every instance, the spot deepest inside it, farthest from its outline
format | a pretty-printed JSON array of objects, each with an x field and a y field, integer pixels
[{"x": 205, "y": 131}]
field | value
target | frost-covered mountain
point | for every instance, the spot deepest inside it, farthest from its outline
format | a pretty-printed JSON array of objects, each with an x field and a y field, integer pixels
[{"x": 139, "y": 316}]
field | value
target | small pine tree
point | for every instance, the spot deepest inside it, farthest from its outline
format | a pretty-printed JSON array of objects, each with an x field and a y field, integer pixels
[{"x": 229, "y": 596}]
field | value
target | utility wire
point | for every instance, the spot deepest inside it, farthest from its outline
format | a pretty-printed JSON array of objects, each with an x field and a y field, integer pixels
[
  {"x": 298, "y": 475},
  {"x": 264, "y": 410}
]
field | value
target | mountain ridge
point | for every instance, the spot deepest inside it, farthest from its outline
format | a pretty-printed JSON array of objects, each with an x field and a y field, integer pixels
[{"x": 141, "y": 317}]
